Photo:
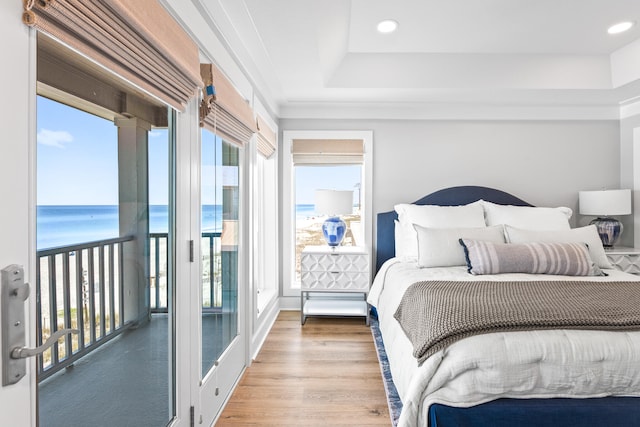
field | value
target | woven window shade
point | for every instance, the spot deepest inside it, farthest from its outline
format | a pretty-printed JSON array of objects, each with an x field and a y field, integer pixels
[
  {"x": 327, "y": 151},
  {"x": 225, "y": 112},
  {"x": 266, "y": 138},
  {"x": 138, "y": 40}
]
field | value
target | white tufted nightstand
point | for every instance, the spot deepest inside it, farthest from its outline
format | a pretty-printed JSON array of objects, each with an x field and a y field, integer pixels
[
  {"x": 624, "y": 259},
  {"x": 340, "y": 276}
]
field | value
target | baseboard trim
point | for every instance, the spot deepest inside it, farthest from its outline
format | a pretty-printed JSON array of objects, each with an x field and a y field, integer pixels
[
  {"x": 289, "y": 303},
  {"x": 267, "y": 319}
]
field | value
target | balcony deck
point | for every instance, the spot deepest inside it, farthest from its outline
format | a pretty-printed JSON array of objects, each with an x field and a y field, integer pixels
[
  {"x": 112, "y": 374},
  {"x": 126, "y": 381}
]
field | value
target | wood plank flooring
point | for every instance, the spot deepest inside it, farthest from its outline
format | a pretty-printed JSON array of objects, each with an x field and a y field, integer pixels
[{"x": 324, "y": 373}]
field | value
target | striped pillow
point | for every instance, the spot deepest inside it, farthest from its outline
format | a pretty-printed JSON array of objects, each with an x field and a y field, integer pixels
[{"x": 568, "y": 259}]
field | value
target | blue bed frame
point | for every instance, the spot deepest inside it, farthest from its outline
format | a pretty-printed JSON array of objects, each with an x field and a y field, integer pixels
[{"x": 605, "y": 412}]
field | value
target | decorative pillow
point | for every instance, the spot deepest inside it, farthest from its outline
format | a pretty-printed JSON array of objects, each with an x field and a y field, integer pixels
[
  {"x": 465, "y": 216},
  {"x": 440, "y": 247},
  {"x": 527, "y": 217},
  {"x": 588, "y": 235},
  {"x": 568, "y": 259}
]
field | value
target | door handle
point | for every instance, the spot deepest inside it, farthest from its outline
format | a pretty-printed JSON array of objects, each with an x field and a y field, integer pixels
[
  {"x": 24, "y": 352},
  {"x": 14, "y": 292}
]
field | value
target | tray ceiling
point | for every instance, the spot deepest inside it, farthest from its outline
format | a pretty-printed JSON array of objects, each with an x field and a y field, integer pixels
[{"x": 315, "y": 54}]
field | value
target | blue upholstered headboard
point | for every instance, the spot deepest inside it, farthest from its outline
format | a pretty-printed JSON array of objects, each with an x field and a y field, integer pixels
[{"x": 454, "y": 196}]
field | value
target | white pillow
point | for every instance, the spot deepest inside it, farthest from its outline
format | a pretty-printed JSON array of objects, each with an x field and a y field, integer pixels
[
  {"x": 440, "y": 247},
  {"x": 527, "y": 217},
  {"x": 404, "y": 243},
  {"x": 465, "y": 216},
  {"x": 588, "y": 235}
]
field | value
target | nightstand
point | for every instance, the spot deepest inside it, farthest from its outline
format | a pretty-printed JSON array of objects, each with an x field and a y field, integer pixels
[
  {"x": 334, "y": 282},
  {"x": 624, "y": 259}
]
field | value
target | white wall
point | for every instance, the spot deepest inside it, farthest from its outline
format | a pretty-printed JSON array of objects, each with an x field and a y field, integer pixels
[
  {"x": 625, "y": 67},
  {"x": 543, "y": 162},
  {"x": 630, "y": 171}
]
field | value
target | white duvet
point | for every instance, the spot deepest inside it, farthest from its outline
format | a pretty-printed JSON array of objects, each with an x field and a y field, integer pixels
[{"x": 542, "y": 364}]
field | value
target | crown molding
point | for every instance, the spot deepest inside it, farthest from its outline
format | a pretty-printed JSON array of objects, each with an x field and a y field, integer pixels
[
  {"x": 423, "y": 111},
  {"x": 630, "y": 109}
]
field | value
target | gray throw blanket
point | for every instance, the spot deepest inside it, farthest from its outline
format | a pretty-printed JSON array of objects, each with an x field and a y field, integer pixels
[{"x": 435, "y": 314}]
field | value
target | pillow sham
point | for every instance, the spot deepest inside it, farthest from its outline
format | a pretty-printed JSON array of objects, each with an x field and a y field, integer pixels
[
  {"x": 587, "y": 234},
  {"x": 567, "y": 259},
  {"x": 527, "y": 217},
  {"x": 440, "y": 247},
  {"x": 466, "y": 216}
]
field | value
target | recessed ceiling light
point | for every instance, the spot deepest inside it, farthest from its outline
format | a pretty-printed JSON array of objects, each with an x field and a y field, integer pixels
[
  {"x": 387, "y": 26},
  {"x": 620, "y": 27}
]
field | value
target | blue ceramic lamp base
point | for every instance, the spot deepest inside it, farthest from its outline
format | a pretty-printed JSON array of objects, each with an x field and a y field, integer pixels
[
  {"x": 333, "y": 230},
  {"x": 609, "y": 230}
]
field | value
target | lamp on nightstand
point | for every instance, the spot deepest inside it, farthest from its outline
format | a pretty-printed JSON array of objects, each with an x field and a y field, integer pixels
[
  {"x": 334, "y": 203},
  {"x": 603, "y": 204}
]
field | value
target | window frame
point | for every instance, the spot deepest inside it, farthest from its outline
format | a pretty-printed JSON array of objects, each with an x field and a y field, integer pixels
[
  {"x": 289, "y": 286},
  {"x": 265, "y": 221}
]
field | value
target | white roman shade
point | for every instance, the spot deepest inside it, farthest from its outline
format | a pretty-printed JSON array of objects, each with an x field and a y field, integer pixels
[
  {"x": 138, "y": 40},
  {"x": 266, "y": 138},
  {"x": 223, "y": 110},
  {"x": 327, "y": 151}
]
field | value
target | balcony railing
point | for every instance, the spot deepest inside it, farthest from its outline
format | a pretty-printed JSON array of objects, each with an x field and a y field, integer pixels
[
  {"x": 211, "y": 271},
  {"x": 158, "y": 270},
  {"x": 83, "y": 287}
]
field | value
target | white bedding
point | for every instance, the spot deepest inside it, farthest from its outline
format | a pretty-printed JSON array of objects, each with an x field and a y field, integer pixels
[{"x": 541, "y": 364}]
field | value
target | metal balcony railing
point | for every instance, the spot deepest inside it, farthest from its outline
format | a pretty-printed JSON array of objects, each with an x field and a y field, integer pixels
[
  {"x": 83, "y": 287},
  {"x": 211, "y": 271},
  {"x": 158, "y": 271}
]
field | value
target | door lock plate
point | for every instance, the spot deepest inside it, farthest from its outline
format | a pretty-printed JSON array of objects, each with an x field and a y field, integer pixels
[{"x": 14, "y": 292}]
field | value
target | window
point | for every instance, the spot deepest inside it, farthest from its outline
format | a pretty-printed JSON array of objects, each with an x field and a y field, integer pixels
[
  {"x": 308, "y": 179},
  {"x": 313, "y": 160},
  {"x": 266, "y": 231}
]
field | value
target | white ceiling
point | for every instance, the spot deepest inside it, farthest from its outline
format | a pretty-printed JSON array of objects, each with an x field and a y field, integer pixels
[{"x": 310, "y": 54}]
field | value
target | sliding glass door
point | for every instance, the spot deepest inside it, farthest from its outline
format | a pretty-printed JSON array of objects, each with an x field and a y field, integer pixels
[
  {"x": 219, "y": 247},
  {"x": 104, "y": 268},
  {"x": 220, "y": 328}
]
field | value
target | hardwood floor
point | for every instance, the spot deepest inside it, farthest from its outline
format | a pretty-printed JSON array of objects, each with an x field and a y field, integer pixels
[{"x": 324, "y": 373}]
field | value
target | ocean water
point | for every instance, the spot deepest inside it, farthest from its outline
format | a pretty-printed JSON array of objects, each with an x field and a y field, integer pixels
[
  {"x": 305, "y": 211},
  {"x": 68, "y": 225}
]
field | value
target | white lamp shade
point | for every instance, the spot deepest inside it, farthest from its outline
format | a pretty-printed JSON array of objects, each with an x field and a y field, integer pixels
[
  {"x": 605, "y": 202},
  {"x": 334, "y": 202}
]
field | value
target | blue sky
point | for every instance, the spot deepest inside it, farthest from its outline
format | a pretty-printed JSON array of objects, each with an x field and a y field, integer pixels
[
  {"x": 78, "y": 162},
  {"x": 311, "y": 178},
  {"x": 78, "y": 158}
]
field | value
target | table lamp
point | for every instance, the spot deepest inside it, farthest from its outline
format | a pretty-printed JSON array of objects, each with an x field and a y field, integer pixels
[
  {"x": 334, "y": 203},
  {"x": 603, "y": 204}
]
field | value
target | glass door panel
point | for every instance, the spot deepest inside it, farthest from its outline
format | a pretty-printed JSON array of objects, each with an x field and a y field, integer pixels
[
  {"x": 219, "y": 247},
  {"x": 104, "y": 268}
]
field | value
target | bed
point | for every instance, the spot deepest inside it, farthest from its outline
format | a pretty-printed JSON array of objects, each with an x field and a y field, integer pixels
[{"x": 551, "y": 377}]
